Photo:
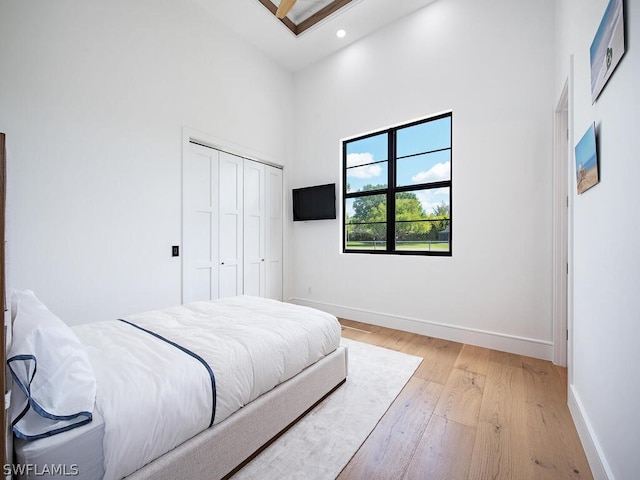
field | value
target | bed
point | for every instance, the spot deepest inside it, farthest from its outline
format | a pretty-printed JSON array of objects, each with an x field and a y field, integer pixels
[{"x": 191, "y": 391}]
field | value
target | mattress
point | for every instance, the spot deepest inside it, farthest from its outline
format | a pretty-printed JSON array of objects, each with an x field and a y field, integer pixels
[
  {"x": 251, "y": 344},
  {"x": 78, "y": 450}
]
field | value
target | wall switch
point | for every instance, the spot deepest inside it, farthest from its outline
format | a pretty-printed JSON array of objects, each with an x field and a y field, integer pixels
[{"x": 175, "y": 251}]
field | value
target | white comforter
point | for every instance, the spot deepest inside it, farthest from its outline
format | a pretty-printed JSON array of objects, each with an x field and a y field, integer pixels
[{"x": 154, "y": 396}]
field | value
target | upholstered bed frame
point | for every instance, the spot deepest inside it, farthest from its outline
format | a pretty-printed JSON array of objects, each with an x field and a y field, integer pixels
[
  {"x": 220, "y": 450},
  {"x": 224, "y": 448}
]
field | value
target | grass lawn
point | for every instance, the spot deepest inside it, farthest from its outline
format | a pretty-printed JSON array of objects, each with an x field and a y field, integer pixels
[{"x": 421, "y": 246}]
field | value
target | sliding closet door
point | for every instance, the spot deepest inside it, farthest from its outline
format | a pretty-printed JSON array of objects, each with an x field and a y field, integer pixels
[
  {"x": 254, "y": 228},
  {"x": 230, "y": 225},
  {"x": 274, "y": 233},
  {"x": 200, "y": 222}
]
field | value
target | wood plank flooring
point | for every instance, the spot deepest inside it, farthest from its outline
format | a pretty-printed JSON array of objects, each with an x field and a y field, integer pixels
[{"x": 469, "y": 413}]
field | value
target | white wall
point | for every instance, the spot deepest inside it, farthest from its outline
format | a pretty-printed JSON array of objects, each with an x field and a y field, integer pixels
[
  {"x": 492, "y": 63},
  {"x": 605, "y": 383},
  {"x": 93, "y": 98}
]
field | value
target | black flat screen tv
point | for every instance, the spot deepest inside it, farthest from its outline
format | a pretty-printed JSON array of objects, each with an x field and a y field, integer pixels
[{"x": 314, "y": 203}]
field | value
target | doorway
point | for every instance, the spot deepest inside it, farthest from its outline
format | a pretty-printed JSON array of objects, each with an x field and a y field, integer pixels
[{"x": 561, "y": 163}]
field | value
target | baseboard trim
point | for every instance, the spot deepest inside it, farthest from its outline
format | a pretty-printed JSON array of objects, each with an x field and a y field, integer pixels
[
  {"x": 498, "y": 341},
  {"x": 597, "y": 461}
]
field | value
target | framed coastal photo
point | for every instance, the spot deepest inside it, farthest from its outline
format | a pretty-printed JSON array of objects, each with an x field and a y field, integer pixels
[
  {"x": 587, "y": 161},
  {"x": 607, "y": 48}
]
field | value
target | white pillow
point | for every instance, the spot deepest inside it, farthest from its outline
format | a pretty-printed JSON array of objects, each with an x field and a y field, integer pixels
[{"x": 54, "y": 386}]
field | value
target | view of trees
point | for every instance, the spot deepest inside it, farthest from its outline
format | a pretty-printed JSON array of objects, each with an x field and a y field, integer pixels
[{"x": 368, "y": 221}]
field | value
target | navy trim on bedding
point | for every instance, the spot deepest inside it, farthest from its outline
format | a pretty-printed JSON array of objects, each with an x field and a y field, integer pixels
[
  {"x": 83, "y": 417},
  {"x": 188, "y": 352}
]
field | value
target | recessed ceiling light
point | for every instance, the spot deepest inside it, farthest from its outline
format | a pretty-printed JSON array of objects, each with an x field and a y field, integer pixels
[{"x": 341, "y": 33}]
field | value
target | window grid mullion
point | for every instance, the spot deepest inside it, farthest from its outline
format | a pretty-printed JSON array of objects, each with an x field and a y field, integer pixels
[{"x": 391, "y": 196}]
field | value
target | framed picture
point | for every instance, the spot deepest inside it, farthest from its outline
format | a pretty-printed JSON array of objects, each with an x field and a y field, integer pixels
[
  {"x": 587, "y": 161},
  {"x": 607, "y": 48}
]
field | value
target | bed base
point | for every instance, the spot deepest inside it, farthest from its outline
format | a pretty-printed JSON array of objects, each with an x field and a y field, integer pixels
[{"x": 220, "y": 450}]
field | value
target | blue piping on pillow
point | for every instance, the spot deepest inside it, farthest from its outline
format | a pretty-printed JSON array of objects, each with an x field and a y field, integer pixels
[{"x": 31, "y": 403}]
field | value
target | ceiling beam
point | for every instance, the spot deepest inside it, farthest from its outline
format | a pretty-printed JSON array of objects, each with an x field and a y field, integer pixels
[
  {"x": 314, "y": 19},
  {"x": 284, "y": 8}
]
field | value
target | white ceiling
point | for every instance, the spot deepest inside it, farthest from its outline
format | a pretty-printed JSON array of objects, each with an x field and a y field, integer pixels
[{"x": 252, "y": 21}]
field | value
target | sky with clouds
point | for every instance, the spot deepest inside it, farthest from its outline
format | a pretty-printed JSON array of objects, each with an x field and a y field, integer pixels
[{"x": 367, "y": 160}]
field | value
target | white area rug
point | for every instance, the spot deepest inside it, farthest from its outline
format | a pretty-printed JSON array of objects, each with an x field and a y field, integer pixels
[{"x": 322, "y": 443}]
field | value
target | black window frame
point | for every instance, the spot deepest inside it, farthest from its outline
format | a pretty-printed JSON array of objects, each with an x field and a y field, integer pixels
[{"x": 392, "y": 189}]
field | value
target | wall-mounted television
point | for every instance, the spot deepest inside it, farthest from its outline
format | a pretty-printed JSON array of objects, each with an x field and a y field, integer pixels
[{"x": 314, "y": 203}]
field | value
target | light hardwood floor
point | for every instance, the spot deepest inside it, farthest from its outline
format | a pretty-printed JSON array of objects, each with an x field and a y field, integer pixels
[{"x": 469, "y": 413}]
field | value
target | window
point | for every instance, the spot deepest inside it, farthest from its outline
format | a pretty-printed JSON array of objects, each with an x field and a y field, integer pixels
[{"x": 397, "y": 189}]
